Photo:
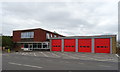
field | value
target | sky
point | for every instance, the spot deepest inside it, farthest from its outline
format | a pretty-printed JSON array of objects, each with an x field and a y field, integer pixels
[{"x": 66, "y": 18}]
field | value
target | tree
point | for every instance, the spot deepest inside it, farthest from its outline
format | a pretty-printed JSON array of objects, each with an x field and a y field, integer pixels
[{"x": 7, "y": 41}]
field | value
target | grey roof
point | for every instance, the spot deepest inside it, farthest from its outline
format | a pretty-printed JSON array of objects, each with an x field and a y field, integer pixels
[{"x": 95, "y": 36}]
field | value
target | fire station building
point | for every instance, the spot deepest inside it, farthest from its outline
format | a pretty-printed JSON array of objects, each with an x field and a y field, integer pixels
[
  {"x": 33, "y": 39},
  {"x": 39, "y": 39},
  {"x": 91, "y": 44}
]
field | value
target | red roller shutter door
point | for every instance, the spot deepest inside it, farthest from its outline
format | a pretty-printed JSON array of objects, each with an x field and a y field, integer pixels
[
  {"x": 69, "y": 45},
  {"x": 56, "y": 45},
  {"x": 102, "y": 45},
  {"x": 84, "y": 45}
]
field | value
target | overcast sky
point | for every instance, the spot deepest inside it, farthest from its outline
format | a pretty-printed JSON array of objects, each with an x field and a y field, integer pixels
[{"x": 66, "y": 18}]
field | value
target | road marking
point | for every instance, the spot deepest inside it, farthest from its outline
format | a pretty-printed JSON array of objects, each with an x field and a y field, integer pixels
[
  {"x": 70, "y": 56},
  {"x": 55, "y": 54},
  {"x": 14, "y": 63},
  {"x": 104, "y": 66},
  {"x": 117, "y": 55},
  {"x": 22, "y": 53},
  {"x": 100, "y": 60},
  {"x": 44, "y": 54},
  {"x": 30, "y": 54},
  {"x": 32, "y": 66},
  {"x": 24, "y": 65},
  {"x": 35, "y": 54},
  {"x": 27, "y": 53}
]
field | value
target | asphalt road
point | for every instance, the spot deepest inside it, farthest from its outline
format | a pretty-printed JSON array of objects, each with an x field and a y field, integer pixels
[{"x": 24, "y": 62}]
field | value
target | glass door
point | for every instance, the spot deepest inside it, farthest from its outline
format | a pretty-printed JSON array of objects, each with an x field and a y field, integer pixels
[{"x": 30, "y": 46}]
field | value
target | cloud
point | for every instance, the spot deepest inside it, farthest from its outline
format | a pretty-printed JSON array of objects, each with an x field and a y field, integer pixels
[{"x": 67, "y": 18}]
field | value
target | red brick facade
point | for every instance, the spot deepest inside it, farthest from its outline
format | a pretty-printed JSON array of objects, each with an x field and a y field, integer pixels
[
  {"x": 39, "y": 35},
  {"x": 16, "y": 36}
]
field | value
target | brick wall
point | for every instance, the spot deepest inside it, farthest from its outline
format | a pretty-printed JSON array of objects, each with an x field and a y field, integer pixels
[{"x": 16, "y": 36}]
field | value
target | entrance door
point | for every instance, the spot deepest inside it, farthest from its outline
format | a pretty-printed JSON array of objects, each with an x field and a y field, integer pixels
[{"x": 30, "y": 46}]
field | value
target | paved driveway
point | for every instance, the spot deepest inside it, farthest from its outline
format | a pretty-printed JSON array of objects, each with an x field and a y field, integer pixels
[
  {"x": 44, "y": 60},
  {"x": 72, "y": 55}
]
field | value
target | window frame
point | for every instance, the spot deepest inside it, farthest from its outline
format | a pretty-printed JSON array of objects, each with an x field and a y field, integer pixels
[{"x": 27, "y": 34}]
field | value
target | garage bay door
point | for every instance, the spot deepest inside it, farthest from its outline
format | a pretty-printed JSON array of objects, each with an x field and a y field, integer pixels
[
  {"x": 69, "y": 45},
  {"x": 102, "y": 45},
  {"x": 56, "y": 45},
  {"x": 84, "y": 45}
]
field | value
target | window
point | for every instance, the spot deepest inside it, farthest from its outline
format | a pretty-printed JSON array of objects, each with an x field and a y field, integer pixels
[
  {"x": 97, "y": 46},
  {"x": 51, "y": 35},
  {"x": 34, "y": 45},
  {"x": 66, "y": 46},
  {"x": 106, "y": 46},
  {"x": 80, "y": 46},
  {"x": 39, "y": 45},
  {"x": 44, "y": 45},
  {"x": 47, "y": 36},
  {"x": 55, "y": 35},
  {"x": 48, "y": 45},
  {"x": 25, "y": 45},
  {"x": 27, "y": 34},
  {"x": 102, "y": 46},
  {"x": 84, "y": 46},
  {"x": 88, "y": 46}
]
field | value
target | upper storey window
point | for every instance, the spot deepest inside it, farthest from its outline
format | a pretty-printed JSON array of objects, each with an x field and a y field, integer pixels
[
  {"x": 27, "y": 35},
  {"x": 47, "y": 36},
  {"x": 51, "y": 35},
  {"x": 55, "y": 35}
]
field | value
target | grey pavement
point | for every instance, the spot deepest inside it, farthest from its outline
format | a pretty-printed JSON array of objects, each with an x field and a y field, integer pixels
[
  {"x": 44, "y": 60},
  {"x": 72, "y": 55}
]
